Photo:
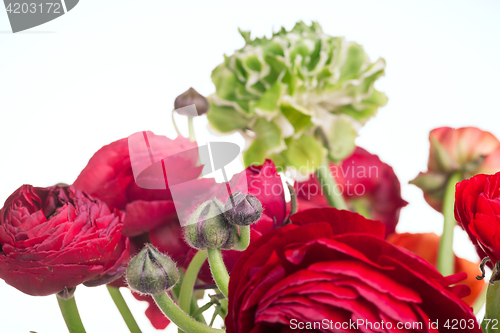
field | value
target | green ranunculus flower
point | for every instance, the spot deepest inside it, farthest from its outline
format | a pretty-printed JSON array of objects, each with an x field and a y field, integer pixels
[{"x": 277, "y": 92}]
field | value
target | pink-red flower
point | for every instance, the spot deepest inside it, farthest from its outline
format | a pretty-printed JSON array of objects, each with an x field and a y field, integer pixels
[
  {"x": 109, "y": 177},
  {"x": 477, "y": 210},
  {"x": 426, "y": 246},
  {"x": 365, "y": 181},
  {"x": 59, "y": 237},
  {"x": 336, "y": 265},
  {"x": 467, "y": 150}
]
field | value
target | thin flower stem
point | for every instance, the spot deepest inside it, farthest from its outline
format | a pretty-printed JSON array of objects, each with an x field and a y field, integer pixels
[
  {"x": 70, "y": 314},
  {"x": 244, "y": 240},
  {"x": 219, "y": 271},
  {"x": 175, "y": 124},
  {"x": 122, "y": 306},
  {"x": 293, "y": 199},
  {"x": 186, "y": 293},
  {"x": 181, "y": 318},
  {"x": 326, "y": 180},
  {"x": 192, "y": 136},
  {"x": 446, "y": 257}
]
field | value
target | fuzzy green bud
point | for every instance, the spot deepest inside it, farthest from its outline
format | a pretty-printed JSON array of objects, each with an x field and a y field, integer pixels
[
  {"x": 242, "y": 209},
  {"x": 151, "y": 272},
  {"x": 207, "y": 227}
]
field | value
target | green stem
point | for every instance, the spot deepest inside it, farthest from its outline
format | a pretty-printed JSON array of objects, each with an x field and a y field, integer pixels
[
  {"x": 293, "y": 199},
  {"x": 360, "y": 207},
  {"x": 219, "y": 271},
  {"x": 190, "y": 279},
  {"x": 244, "y": 240},
  {"x": 175, "y": 124},
  {"x": 194, "y": 307},
  {"x": 181, "y": 318},
  {"x": 328, "y": 184},
  {"x": 491, "y": 319},
  {"x": 446, "y": 257},
  {"x": 192, "y": 136},
  {"x": 70, "y": 314},
  {"x": 122, "y": 306}
]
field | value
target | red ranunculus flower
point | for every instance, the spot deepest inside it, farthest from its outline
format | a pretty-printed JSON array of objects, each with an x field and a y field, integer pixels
[
  {"x": 109, "y": 177},
  {"x": 477, "y": 210},
  {"x": 365, "y": 181},
  {"x": 59, "y": 237},
  {"x": 336, "y": 266},
  {"x": 427, "y": 245},
  {"x": 467, "y": 150}
]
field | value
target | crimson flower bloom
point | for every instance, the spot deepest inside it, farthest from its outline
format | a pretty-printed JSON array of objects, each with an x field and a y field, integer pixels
[
  {"x": 336, "y": 265},
  {"x": 477, "y": 210},
  {"x": 365, "y": 181},
  {"x": 59, "y": 237}
]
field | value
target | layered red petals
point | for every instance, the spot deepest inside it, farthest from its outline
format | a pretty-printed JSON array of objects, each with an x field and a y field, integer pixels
[
  {"x": 55, "y": 238},
  {"x": 335, "y": 265},
  {"x": 477, "y": 209},
  {"x": 426, "y": 246},
  {"x": 109, "y": 177}
]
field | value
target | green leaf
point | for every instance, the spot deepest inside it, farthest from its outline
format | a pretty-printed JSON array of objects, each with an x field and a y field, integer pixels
[
  {"x": 253, "y": 63},
  {"x": 305, "y": 154},
  {"x": 269, "y": 101},
  {"x": 298, "y": 119},
  {"x": 355, "y": 59},
  {"x": 255, "y": 154},
  {"x": 341, "y": 136},
  {"x": 269, "y": 138},
  {"x": 226, "y": 119},
  {"x": 245, "y": 34},
  {"x": 225, "y": 82}
]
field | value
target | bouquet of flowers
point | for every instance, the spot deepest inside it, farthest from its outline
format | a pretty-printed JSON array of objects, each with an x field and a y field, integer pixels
[{"x": 146, "y": 214}]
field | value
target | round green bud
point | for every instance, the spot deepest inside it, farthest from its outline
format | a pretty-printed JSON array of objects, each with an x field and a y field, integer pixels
[
  {"x": 207, "y": 227},
  {"x": 242, "y": 209},
  {"x": 151, "y": 272}
]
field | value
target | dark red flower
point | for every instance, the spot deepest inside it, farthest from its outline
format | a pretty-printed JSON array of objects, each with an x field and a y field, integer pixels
[
  {"x": 336, "y": 265},
  {"x": 426, "y": 246},
  {"x": 477, "y": 210},
  {"x": 365, "y": 181},
  {"x": 59, "y": 237}
]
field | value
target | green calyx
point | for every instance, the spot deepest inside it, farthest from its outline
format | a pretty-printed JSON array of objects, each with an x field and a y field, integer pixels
[{"x": 278, "y": 90}]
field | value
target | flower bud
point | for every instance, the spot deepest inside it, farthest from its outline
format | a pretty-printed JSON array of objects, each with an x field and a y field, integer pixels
[
  {"x": 242, "y": 209},
  {"x": 190, "y": 97},
  {"x": 207, "y": 227},
  {"x": 151, "y": 272}
]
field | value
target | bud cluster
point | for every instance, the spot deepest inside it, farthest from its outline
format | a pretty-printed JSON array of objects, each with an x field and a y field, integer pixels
[{"x": 215, "y": 225}]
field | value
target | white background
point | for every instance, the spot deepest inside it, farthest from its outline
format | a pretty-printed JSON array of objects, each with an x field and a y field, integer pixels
[{"x": 110, "y": 68}]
